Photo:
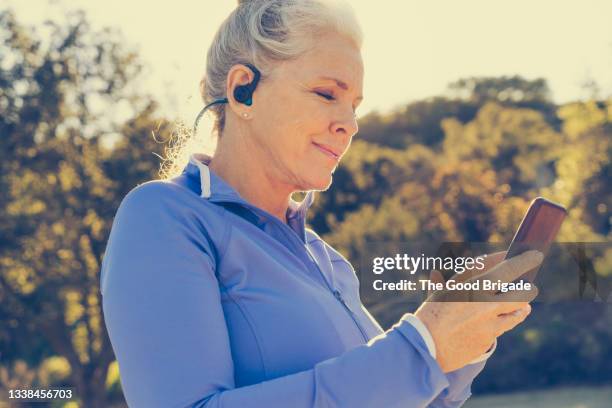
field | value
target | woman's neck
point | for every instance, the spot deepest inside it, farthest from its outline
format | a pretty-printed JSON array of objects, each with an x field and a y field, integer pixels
[{"x": 239, "y": 165}]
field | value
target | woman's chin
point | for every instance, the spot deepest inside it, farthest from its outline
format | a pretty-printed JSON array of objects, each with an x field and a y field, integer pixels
[
  {"x": 315, "y": 174},
  {"x": 320, "y": 181}
]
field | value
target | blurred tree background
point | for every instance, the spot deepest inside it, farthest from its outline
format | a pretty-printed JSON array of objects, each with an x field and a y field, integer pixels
[
  {"x": 77, "y": 133},
  {"x": 75, "y": 136}
]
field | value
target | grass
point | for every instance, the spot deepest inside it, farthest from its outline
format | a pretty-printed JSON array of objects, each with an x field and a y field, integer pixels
[{"x": 567, "y": 397}]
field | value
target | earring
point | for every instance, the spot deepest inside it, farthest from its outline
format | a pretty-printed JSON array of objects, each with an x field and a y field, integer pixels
[{"x": 245, "y": 115}]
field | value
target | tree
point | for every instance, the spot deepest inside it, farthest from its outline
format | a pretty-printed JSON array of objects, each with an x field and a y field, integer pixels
[
  {"x": 584, "y": 170},
  {"x": 518, "y": 143},
  {"x": 75, "y": 137},
  {"x": 510, "y": 91},
  {"x": 515, "y": 89},
  {"x": 416, "y": 123}
]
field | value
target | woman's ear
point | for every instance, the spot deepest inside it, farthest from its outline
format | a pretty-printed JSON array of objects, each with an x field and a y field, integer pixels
[{"x": 238, "y": 79}]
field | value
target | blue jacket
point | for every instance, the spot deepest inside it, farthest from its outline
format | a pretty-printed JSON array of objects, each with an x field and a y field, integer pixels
[{"x": 212, "y": 302}]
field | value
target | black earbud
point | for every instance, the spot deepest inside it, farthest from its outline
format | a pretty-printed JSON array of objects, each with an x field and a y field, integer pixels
[{"x": 242, "y": 94}]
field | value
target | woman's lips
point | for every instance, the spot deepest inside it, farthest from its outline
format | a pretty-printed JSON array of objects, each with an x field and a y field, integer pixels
[{"x": 327, "y": 150}]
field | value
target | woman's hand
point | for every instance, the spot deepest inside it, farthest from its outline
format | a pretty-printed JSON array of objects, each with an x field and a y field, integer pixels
[{"x": 463, "y": 331}]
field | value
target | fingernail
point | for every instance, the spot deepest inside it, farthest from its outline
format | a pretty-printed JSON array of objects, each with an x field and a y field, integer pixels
[
  {"x": 519, "y": 312},
  {"x": 537, "y": 256}
]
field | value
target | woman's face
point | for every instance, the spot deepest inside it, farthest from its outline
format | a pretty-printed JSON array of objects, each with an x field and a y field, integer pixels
[{"x": 303, "y": 114}]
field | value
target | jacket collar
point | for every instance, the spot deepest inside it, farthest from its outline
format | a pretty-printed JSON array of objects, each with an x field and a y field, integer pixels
[{"x": 214, "y": 189}]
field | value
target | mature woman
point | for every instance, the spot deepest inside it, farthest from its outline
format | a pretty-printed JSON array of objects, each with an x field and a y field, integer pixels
[{"x": 214, "y": 292}]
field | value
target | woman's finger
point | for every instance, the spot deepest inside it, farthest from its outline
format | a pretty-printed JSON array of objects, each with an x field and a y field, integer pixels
[
  {"x": 508, "y": 321},
  {"x": 493, "y": 259},
  {"x": 490, "y": 260},
  {"x": 510, "y": 296},
  {"x": 503, "y": 308},
  {"x": 513, "y": 268}
]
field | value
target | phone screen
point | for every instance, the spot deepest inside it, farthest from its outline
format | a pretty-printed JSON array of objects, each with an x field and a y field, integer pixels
[{"x": 537, "y": 230}]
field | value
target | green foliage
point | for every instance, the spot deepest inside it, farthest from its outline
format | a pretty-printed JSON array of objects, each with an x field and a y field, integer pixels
[
  {"x": 63, "y": 100},
  {"x": 513, "y": 89},
  {"x": 417, "y": 123},
  {"x": 476, "y": 185}
]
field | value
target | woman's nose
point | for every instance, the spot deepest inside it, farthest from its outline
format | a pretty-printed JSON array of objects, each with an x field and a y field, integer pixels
[{"x": 347, "y": 125}]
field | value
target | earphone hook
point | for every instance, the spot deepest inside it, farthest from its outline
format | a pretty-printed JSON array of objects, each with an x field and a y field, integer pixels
[{"x": 242, "y": 94}]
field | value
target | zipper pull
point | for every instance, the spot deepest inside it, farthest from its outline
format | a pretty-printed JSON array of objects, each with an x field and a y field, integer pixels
[{"x": 338, "y": 296}]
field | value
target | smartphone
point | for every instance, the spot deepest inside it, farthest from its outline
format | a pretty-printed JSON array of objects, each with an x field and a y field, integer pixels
[{"x": 537, "y": 231}]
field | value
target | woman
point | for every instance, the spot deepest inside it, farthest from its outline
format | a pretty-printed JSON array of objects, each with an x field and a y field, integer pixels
[{"x": 214, "y": 292}]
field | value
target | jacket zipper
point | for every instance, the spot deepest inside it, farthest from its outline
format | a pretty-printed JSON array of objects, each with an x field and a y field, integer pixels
[
  {"x": 334, "y": 292},
  {"x": 338, "y": 295}
]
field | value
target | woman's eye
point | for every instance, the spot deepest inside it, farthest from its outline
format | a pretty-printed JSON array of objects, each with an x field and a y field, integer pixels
[{"x": 326, "y": 96}]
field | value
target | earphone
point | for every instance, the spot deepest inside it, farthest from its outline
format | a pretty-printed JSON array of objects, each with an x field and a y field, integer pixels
[{"x": 242, "y": 94}]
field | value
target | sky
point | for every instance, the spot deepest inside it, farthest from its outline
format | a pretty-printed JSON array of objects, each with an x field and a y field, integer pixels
[{"x": 412, "y": 49}]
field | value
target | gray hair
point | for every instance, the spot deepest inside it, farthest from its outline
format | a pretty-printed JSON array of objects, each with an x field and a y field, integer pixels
[{"x": 264, "y": 32}]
